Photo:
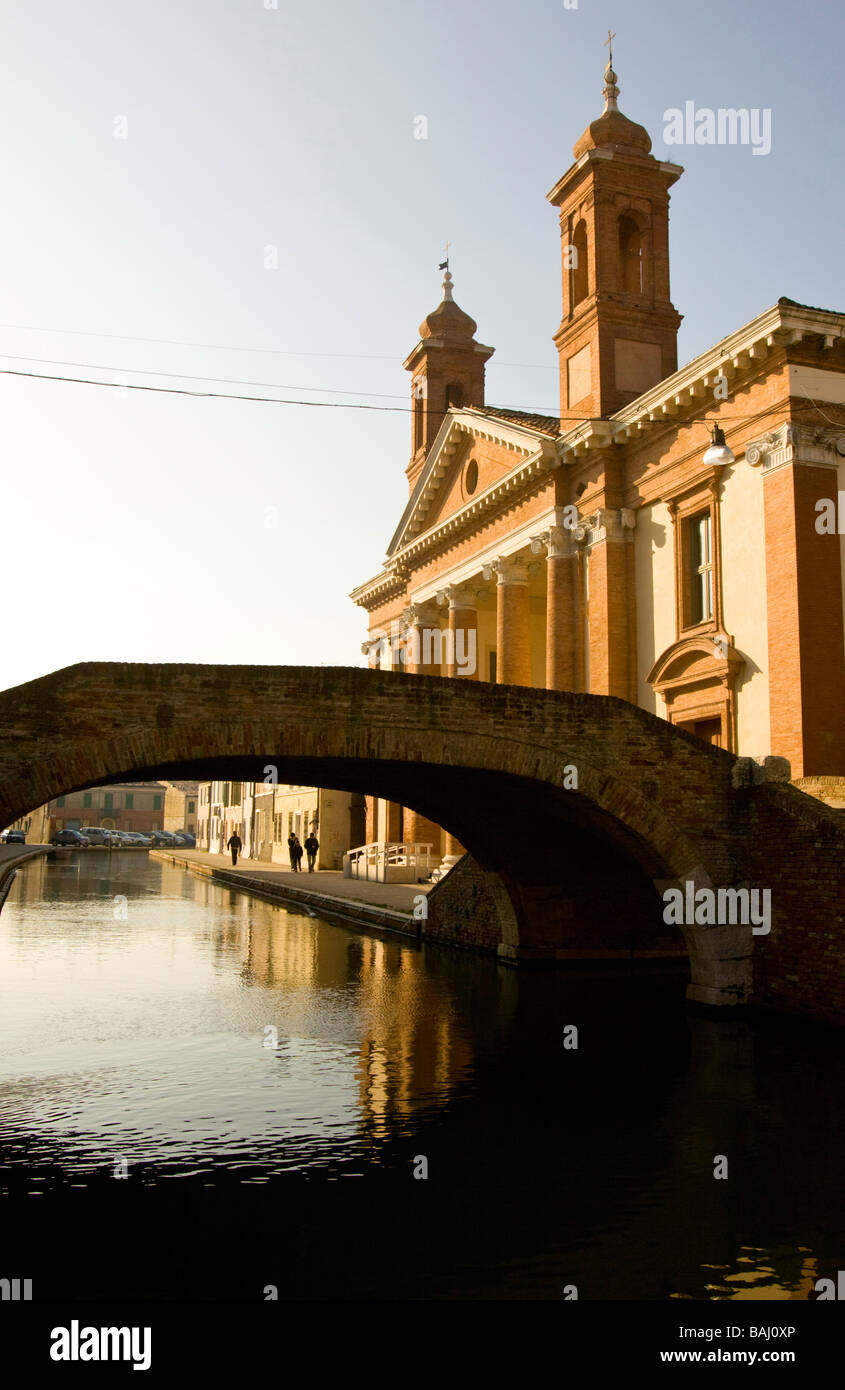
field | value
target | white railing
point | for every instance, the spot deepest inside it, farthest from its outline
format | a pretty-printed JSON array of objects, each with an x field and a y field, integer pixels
[{"x": 384, "y": 862}]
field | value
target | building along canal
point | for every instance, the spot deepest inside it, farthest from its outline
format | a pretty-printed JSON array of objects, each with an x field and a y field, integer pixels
[{"x": 203, "y": 1094}]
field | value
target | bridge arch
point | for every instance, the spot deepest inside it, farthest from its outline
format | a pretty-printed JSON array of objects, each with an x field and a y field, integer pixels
[{"x": 489, "y": 763}]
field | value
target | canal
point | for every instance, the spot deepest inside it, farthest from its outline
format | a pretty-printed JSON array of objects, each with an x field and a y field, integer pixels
[{"x": 203, "y": 1095}]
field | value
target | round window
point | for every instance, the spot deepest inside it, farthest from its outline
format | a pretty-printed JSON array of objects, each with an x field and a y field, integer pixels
[{"x": 471, "y": 477}]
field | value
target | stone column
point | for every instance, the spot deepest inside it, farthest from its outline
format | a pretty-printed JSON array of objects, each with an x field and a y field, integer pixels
[
  {"x": 462, "y": 650},
  {"x": 418, "y": 828},
  {"x": 462, "y": 661},
  {"x": 419, "y": 652},
  {"x": 513, "y": 638},
  {"x": 803, "y": 514},
  {"x": 611, "y": 607},
  {"x": 561, "y": 609}
]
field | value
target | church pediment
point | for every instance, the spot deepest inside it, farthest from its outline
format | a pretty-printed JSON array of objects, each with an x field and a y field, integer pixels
[{"x": 475, "y": 453}]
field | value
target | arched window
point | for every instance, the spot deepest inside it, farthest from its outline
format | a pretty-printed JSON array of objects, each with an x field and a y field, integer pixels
[
  {"x": 454, "y": 394},
  {"x": 631, "y": 263},
  {"x": 578, "y": 271},
  {"x": 419, "y": 394}
]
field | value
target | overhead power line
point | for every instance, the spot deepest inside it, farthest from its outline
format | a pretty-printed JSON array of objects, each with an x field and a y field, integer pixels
[
  {"x": 183, "y": 391},
  {"x": 227, "y": 347},
  {"x": 188, "y": 376},
  {"x": 326, "y": 405},
  {"x": 233, "y": 396}
]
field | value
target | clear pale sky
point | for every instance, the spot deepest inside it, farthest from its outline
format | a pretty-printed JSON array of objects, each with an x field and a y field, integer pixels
[{"x": 133, "y": 523}]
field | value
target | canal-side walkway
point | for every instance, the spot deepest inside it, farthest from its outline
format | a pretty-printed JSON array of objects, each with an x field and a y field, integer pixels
[
  {"x": 11, "y": 858},
  {"x": 326, "y": 892}
]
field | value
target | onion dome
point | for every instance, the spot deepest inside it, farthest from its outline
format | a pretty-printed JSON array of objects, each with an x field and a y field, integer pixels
[
  {"x": 612, "y": 129},
  {"x": 447, "y": 320}
]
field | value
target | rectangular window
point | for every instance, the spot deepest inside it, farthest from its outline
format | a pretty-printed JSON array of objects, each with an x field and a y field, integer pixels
[
  {"x": 108, "y": 801},
  {"x": 87, "y": 799},
  {"x": 60, "y": 801},
  {"x": 157, "y": 804},
  {"x": 130, "y": 801},
  {"x": 699, "y": 569},
  {"x": 191, "y": 807}
]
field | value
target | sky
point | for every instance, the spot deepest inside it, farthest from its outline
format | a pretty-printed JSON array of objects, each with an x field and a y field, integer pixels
[{"x": 230, "y": 196}]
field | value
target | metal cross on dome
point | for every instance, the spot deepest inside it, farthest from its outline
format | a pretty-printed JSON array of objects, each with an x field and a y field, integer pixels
[{"x": 608, "y": 44}]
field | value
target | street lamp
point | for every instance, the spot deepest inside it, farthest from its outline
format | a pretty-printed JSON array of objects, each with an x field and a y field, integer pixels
[{"x": 719, "y": 454}]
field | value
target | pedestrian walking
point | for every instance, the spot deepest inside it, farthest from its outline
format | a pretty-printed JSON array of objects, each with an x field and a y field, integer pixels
[
  {"x": 297, "y": 853},
  {"x": 312, "y": 844},
  {"x": 235, "y": 844},
  {"x": 292, "y": 842}
]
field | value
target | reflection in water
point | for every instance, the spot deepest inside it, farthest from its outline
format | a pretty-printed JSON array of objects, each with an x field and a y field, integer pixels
[{"x": 201, "y": 1041}]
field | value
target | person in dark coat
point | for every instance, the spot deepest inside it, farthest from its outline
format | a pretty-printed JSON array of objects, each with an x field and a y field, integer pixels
[
  {"x": 297, "y": 850},
  {"x": 312, "y": 844},
  {"x": 292, "y": 843},
  {"x": 235, "y": 844}
]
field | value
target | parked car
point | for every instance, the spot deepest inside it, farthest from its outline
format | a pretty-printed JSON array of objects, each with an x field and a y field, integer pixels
[
  {"x": 97, "y": 835},
  {"x": 69, "y": 837},
  {"x": 14, "y": 837},
  {"x": 187, "y": 838},
  {"x": 165, "y": 839},
  {"x": 141, "y": 839}
]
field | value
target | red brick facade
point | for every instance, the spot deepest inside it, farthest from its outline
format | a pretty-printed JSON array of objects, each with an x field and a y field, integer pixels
[{"x": 587, "y": 552}]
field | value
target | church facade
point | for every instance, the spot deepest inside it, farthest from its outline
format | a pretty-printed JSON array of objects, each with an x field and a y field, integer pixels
[{"x": 675, "y": 537}]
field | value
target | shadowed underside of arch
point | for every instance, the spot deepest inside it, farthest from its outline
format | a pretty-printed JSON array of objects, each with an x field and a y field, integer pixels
[{"x": 490, "y": 763}]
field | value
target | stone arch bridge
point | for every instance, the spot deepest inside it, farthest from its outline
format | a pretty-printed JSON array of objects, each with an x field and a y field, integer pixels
[{"x": 550, "y": 865}]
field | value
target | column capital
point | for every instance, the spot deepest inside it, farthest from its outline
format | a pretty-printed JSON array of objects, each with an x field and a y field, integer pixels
[
  {"x": 507, "y": 569},
  {"x": 610, "y": 524},
  {"x": 417, "y": 614},
  {"x": 556, "y": 541},
  {"x": 457, "y": 596},
  {"x": 819, "y": 445}
]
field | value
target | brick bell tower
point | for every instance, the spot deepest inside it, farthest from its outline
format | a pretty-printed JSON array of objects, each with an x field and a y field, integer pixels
[
  {"x": 447, "y": 368},
  {"x": 618, "y": 336}
]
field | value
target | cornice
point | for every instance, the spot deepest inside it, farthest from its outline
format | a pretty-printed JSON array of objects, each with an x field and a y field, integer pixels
[
  {"x": 601, "y": 155},
  {"x": 779, "y": 327},
  {"x": 472, "y": 348},
  {"x": 392, "y": 579},
  {"x": 821, "y": 446}
]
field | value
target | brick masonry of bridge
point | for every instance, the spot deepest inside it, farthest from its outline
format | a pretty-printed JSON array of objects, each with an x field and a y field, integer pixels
[{"x": 549, "y": 864}]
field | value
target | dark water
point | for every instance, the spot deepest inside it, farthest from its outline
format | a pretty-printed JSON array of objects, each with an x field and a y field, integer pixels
[{"x": 159, "y": 1139}]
